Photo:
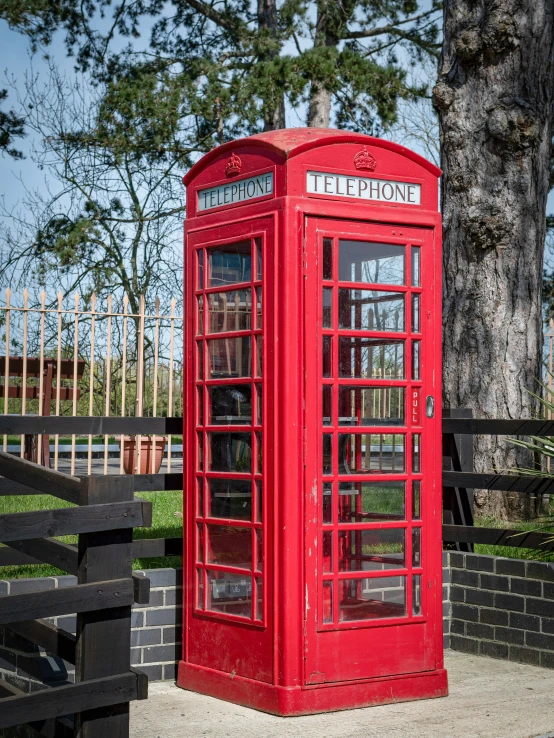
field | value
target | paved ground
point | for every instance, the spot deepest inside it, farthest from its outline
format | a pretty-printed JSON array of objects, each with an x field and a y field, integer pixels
[{"x": 488, "y": 699}]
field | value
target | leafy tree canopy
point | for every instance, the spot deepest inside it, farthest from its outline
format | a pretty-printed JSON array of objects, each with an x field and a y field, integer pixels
[{"x": 236, "y": 62}]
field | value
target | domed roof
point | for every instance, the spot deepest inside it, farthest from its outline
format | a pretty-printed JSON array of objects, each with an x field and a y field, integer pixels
[{"x": 289, "y": 142}]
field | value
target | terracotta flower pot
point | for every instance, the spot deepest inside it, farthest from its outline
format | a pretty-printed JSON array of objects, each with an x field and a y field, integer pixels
[{"x": 157, "y": 443}]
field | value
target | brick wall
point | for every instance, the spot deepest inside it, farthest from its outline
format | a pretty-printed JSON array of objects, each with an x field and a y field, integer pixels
[
  {"x": 155, "y": 638},
  {"x": 502, "y": 608},
  {"x": 492, "y": 606}
]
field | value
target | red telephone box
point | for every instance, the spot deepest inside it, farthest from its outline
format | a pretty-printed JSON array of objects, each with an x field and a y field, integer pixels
[{"x": 313, "y": 425}]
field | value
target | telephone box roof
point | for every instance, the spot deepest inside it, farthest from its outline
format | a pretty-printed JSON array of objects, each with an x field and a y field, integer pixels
[{"x": 289, "y": 142}]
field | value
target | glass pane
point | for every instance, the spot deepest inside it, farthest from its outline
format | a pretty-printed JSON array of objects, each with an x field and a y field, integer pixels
[
  {"x": 230, "y": 311},
  {"x": 372, "y": 550},
  {"x": 200, "y": 281},
  {"x": 371, "y": 358},
  {"x": 230, "y": 357},
  {"x": 259, "y": 446},
  {"x": 200, "y": 315},
  {"x": 365, "y": 261},
  {"x": 327, "y": 615},
  {"x": 230, "y": 546},
  {"x": 364, "y": 502},
  {"x": 371, "y": 452},
  {"x": 230, "y": 452},
  {"x": 259, "y": 501},
  {"x": 200, "y": 498},
  {"x": 416, "y": 500},
  {"x": 416, "y": 546},
  {"x": 230, "y": 499},
  {"x": 327, "y": 356},
  {"x": 327, "y": 454},
  {"x": 327, "y": 501},
  {"x": 327, "y": 258},
  {"x": 416, "y": 594},
  {"x": 368, "y": 599},
  {"x": 200, "y": 451},
  {"x": 259, "y": 598},
  {"x": 327, "y": 404},
  {"x": 230, "y": 264},
  {"x": 416, "y": 453},
  {"x": 371, "y": 406},
  {"x": 230, "y": 593},
  {"x": 415, "y": 313},
  {"x": 259, "y": 404},
  {"x": 230, "y": 404},
  {"x": 200, "y": 589},
  {"x": 259, "y": 355},
  {"x": 200, "y": 358},
  {"x": 416, "y": 266},
  {"x": 259, "y": 255},
  {"x": 200, "y": 543},
  {"x": 415, "y": 359},
  {"x": 327, "y": 552},
  {"x": 259, "y": 321},
  {"x": 259, "y": 550},
  {"x": 200, "y": 404},
  {"x": 327, "y": 307},
  {"x": 369, "y": 310}
]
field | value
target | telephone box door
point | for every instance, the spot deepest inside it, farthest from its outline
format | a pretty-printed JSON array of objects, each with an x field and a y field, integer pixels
[{"x": 371, "y": 451}]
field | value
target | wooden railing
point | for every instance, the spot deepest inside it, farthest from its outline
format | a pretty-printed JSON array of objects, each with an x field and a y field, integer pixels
[
  {"x": 459, "y": 479},
  {"x": 103, "y": 515}
]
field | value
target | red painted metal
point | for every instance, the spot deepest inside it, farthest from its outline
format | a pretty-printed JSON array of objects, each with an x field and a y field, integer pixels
[{"x": 312, "y": 571}]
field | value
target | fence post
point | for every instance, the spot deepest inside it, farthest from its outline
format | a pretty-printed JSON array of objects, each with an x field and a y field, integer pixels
[
  {"x": 103, "y": 637},
  {"x": 140, "y": 378},
  {"x": 457, "y": 502}
]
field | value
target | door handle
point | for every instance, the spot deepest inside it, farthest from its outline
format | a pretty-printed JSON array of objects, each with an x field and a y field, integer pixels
[{"x": 430, "y": 406}]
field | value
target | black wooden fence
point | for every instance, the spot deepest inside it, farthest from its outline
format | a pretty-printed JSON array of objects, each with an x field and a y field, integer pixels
[
  {"x": 459, "y": 479},
  {"x": 103, "y": 514}
]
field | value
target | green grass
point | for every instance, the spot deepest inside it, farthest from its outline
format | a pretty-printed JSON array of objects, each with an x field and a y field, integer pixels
[
  {"x": 165, "y": 524},
  {"x": 544, "y": 525}
]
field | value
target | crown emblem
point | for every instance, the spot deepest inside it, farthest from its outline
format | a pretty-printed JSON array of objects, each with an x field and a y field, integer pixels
[
  {"x": 365, "y": 160},
  {"x": 234, "y": 165}
]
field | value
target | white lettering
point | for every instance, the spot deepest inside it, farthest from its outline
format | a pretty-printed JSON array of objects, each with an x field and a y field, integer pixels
[
  {"x": 362, "y": 188},
  {"x": 239, "y": 191}
]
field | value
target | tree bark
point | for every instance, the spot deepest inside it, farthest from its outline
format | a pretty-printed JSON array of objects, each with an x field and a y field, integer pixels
[
  {"x": 319, "y": 109},
  {"x": 494, "y": 98},
  {"x": 274, "y": 110}
]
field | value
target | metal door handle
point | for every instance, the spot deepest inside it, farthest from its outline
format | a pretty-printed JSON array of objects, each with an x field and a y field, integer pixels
[{"x": 430, "y": 406}]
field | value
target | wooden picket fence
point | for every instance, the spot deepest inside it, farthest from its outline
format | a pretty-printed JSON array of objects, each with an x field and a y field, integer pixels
[{"x": 79, "y": 360}]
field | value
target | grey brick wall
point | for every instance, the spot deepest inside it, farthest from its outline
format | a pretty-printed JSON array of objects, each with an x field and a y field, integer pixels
[
  {"x": 155, "y": 638},
  {"x": 492, "y": 606},
  {"x": 502, "y": 608},
  {"x": 446, "y": 607}
]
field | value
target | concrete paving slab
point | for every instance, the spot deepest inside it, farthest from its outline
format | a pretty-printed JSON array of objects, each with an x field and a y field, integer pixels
[{"x": 488, "y": 699}]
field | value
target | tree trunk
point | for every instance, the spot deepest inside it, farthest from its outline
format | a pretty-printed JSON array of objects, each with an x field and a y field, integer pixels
[
  {"x": 273, "y": 110},
  {"x": 494, "y": 99},
  {"x": 319, "y": 109}
]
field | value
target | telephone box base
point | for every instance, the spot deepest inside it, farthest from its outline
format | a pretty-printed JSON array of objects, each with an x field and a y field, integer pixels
[{"x": 288, "y": 701}]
